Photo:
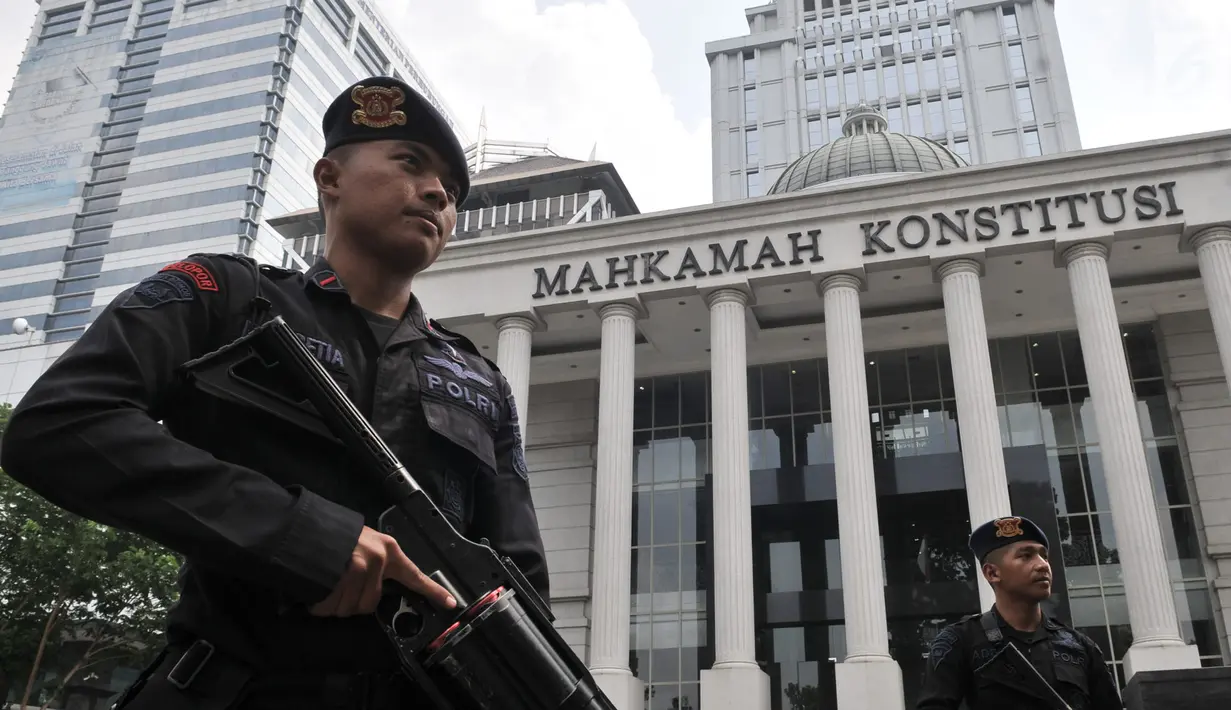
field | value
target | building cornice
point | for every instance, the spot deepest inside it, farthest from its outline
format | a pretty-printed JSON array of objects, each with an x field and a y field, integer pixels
[{"x": 764, "y": 213}]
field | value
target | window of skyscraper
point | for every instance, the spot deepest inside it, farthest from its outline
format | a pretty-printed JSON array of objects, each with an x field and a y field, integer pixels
[
  {"x": 831, "y": 91},
  {"x": 816, "y": 135},
  {"x": 753, "y": 184},
  {"x": 1025, "y": 105},
  {"x": 906, "y": 40},
  {"x": 910, "y": 75},
  {"x": 914, "y": 116},
  {"x": 957, "y": 113},
  {"x": 812, "y": 93},
  {"x": 108, "y": 13},
  {"x": 945, "y": 33},
  {"x": 834, "y": 126},
  {"x": 338, "y": 15},
  {"x": 936, "y": 118},
  {"x": 61, "y": 23},
  {"x": 1017, "y": 61},
  {"x": 952, "y": 78},
  {"x": 831, "y": 53},
  {"x": 369, "y": 55},
  {"x": 750, "y": 105},
  {"x": 1031, "y": 142},
  {"x": 931, "y": 74},
  {"x": 852, "y": 87},
  {"x": 891, "y": 80},
  {"x": 750, "y": 67},
  {"x": 925, "y": 37},
  {"x": 871, "y": 89},
  {"x": 962, "y": 148},
  {"x": 810, "y": 55},
  {"x": 1008, "y": 20},
  {"x": 752, "y": 146},
  {"x": 894, "y": 115}
]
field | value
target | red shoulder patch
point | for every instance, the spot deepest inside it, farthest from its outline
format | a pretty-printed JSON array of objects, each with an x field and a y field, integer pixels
[{"x": 200, "y": 275}]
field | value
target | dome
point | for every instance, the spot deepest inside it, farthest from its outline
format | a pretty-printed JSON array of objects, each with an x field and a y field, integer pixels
[{"x": 866, "y": 148}]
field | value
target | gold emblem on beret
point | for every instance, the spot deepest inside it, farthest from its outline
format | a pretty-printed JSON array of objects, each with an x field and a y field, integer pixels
[
  {"x": 1009, "y": 527},
  {"x": 378, "y": 106}
]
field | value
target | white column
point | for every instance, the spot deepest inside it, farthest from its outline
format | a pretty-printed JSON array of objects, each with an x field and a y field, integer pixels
[
  {"x": 613, "y": 511},
  {"x": 868, "y": 676},
  {"x": 513, "y": 359},
  {"x": 1147, "y": 585},
  {"x": 735, "y": 682},
  {"x": 987, "y": 485},
  {"x": 1213, "y": 247}
]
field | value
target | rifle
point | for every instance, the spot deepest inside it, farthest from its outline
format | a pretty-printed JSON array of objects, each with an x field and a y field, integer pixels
[{"x": 497, "y": 649}]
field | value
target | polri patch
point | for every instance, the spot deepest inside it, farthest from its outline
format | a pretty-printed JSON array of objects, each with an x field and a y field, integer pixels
[
  {"x": 159, "y": 289},
  {"x": 448, "y": 382},
  {"x": 458, "y": 369},
  {"x": 200, "y": 275}
]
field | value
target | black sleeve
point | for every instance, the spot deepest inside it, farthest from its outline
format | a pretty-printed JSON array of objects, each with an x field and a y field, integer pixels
[
  {"x": 1104, "y": 691},
  {"x": 947, "y": 675},
  {"x": 504, "y": 511},
  {"x": 87, "y": 437}
]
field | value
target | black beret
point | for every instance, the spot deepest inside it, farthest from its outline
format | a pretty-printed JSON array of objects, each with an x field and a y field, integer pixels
[
  {"x": 383, "y": 108},
  {"x": 997, "y": 533}
]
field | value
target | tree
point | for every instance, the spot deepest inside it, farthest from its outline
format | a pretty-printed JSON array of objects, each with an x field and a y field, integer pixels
[
  {"x": 803, "y": 697},
  {"x": 74, "y": 595}
]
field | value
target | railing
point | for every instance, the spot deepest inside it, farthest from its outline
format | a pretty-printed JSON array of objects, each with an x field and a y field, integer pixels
[{"x": 535, "y": 214}]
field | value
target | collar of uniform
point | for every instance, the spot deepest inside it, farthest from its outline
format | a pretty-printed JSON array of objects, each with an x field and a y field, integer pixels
[
  {"x": 1047, "y": 626},
  {"x": 425, "y": 324},
  {"x": 323, "y": 277}
]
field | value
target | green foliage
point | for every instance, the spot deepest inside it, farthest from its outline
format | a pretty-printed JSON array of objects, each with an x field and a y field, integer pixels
[
  {"x": 74, "y": 595},
  {"x": 806, "y": 697}
]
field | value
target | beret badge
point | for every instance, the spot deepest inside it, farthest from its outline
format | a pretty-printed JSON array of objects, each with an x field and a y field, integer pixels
[
  {"x": 378, "y": 106},
  {"x": 1009, "y": 527}
]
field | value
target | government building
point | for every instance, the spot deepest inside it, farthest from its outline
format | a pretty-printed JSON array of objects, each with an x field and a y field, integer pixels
[{"x": 760, "y": 431}]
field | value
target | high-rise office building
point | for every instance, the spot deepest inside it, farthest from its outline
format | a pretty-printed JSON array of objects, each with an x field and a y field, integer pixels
[
  {"x": 985, "y": 78},
  {"x": 140, "y": 131}
]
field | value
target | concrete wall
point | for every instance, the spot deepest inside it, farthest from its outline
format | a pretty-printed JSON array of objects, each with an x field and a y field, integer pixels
[
  {"x": 561, "y": 437},
  {"x": 1203, "y": 405}
]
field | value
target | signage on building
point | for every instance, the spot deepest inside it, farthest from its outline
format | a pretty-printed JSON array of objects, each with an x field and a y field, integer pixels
[{"x": 912, "y": 232}]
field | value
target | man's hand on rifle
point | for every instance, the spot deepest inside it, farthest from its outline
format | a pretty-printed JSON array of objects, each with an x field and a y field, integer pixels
[{"x": 376, "y": 558}]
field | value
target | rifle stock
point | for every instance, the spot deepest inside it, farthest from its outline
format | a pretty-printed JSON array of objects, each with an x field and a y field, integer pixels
[{"x": 498, "y": 648}]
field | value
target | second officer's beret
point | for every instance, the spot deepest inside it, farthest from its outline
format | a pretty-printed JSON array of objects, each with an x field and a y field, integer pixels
[
  {"x": 384, "y": 108},
  {"x": 995, "y": 534}
]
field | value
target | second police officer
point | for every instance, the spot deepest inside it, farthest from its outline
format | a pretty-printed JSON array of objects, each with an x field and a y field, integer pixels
[
  {"x": 1015, "y": 656},
  {"x": 283, "y": 565}
]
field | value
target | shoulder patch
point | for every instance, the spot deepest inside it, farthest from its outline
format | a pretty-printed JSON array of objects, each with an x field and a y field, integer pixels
[
  {"x": 159, "y": 289},
  {"x": 201, "y": 277},
  {"x": 944, "y": 643},
  {"x": 519, "y": 448}
]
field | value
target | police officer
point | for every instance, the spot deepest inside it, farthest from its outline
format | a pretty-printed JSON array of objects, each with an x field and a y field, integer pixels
[
  {"x": 284, "y": 568},
  {"x": 976, "y": 660}
]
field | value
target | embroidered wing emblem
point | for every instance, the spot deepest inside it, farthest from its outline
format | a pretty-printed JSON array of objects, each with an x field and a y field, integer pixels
[
  {"x": 378, "y": 106},
  {"x": 458, "y": 370}
]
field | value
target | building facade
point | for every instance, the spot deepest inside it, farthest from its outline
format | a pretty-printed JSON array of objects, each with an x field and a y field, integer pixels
[
  {"x": 140, "y": 131},
  {"x": 986, "y": 78},
  {"x": 760, "y": 432}
]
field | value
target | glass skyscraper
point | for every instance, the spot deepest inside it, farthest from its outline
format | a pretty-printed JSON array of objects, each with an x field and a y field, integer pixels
[{"x": 140, "y": 131}]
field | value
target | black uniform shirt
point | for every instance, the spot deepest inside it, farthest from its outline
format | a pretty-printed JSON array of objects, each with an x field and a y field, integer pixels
[
  {"x": 266, "y": 514},
  {"x": 963, "y": 665}
]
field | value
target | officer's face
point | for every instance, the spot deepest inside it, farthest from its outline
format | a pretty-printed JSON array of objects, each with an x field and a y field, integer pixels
[
  {"x": 396, "y": 197},
  {"x": 1022, "y": 570}
]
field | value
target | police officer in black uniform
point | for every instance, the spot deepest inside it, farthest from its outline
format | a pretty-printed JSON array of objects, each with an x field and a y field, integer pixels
[
  {"x": 977, "y": 659},
  {"x": 284, "y": 568}
]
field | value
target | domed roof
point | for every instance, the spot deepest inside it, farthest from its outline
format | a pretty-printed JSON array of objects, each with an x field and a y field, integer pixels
[{"x": 866, "y": 148}]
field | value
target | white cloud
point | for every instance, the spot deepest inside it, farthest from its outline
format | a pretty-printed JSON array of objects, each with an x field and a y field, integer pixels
[{"x": 573, "y": 75}]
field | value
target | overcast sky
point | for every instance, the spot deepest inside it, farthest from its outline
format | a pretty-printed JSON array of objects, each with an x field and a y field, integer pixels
[{"x": 631, "y": 75}]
